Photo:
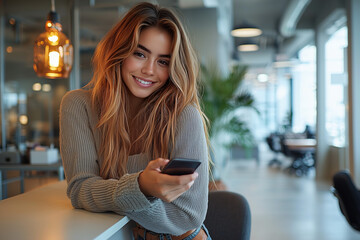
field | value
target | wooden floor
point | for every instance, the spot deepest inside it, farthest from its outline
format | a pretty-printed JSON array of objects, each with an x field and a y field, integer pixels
[
  {"x": 286, "y": 207},
  {"x": 283, "y": 207}
]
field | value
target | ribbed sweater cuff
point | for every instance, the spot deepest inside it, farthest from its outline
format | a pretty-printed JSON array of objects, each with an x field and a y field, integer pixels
[{"x": 128, "y": 196}]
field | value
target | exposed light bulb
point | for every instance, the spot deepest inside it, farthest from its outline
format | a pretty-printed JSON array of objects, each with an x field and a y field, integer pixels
[
  {"x": 54, "y": 59},
  {"x": 53, "y": 38}
]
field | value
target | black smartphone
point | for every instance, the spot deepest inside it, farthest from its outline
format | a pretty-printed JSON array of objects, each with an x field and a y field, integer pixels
[{"x": 181, "y": 166}]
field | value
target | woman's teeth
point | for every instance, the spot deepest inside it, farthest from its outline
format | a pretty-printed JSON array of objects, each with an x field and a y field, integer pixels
[{"x": 142, "y": 81}]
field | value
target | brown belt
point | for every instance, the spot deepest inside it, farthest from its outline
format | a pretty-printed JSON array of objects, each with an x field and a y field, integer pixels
[{"x": 139, "y": 231}]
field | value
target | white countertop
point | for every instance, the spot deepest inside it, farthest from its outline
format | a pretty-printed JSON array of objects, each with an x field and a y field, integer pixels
[{"x": 46, "y": 213}]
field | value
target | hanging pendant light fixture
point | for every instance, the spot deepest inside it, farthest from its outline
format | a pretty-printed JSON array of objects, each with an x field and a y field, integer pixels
[
  {"x": 248, "y": 46},
  {"x": 246, "y": 30},
  {"x": 53, "y": 52}
]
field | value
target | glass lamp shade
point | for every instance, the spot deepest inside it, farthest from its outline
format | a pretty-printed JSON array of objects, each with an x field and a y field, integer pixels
[{"x": 53, "y": 52}]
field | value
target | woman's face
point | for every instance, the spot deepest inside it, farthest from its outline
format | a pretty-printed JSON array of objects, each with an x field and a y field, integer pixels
[{"x": 147, "y": 69}]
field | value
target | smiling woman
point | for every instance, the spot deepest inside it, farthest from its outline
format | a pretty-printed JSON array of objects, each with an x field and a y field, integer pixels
[
  {"x": 140, "y": 110},
  {"x": 147, "y": 69}
]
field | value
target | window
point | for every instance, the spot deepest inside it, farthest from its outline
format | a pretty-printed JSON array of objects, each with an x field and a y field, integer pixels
[
  {"x": 336, "y": 87},
  {"x": 304, "y": 94}
]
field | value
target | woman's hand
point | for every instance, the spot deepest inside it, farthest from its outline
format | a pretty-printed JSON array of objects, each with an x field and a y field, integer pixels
[{"x": 166, "y": 187}]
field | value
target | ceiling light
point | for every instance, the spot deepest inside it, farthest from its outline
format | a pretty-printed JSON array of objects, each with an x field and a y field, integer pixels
[
  {"x": 23, "y": 119},
  {"x": 246, "y": 30},
  {"x": 36, "y": 87},
  {"x": 9, "y": 49},
  {"x": 248, "y": 47},
  {"x": 46, "y": 87},
  {"x": 12, "y": 21},
  {"x": 262, "y": 77},
  {"x": 53, "y": 51}
]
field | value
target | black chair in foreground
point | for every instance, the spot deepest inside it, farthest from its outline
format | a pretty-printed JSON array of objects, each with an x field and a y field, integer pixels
[
  {"x": 349, "y": 198},
  {"x": 228, "y": 216}
]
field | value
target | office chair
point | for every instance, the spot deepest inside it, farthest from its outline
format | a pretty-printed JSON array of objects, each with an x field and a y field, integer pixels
[
  {"x": 349, "y": 198},
  {"x": 274, "y": 143},
  {"x": 228, "y": 216}
]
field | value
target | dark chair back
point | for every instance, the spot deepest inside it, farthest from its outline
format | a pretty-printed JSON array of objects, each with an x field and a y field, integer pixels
[
  {"x": 228, "y": 216},
  {"x": 349, "y": 198},
  {"x": 274, "y": 142}
]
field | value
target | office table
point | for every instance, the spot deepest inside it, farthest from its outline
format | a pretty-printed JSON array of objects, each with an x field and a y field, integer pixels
[
  {"x": 301, "y": 143},
  {"x": 47, "y": 213},
  {"x": 22, "y": 168}
]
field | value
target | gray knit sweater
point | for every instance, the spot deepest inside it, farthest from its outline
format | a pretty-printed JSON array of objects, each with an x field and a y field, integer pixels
[{"x": 79, "y": 146}]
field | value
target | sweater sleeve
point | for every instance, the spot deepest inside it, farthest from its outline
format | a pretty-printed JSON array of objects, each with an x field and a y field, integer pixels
[
  {"x": 86, "y": 188},
  {"x": 189, "y": 210}
]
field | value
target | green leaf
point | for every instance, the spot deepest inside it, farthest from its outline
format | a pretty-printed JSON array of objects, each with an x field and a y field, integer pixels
[{"x": 221, "y": 96}]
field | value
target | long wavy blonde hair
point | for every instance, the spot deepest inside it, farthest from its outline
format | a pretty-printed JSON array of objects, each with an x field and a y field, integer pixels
[{"x": 161, "y": 109}]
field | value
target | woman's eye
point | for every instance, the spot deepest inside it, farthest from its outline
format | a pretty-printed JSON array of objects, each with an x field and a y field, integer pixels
[
  {"x": 139, "y": 54},
  {"x": 164, "y": 62}
]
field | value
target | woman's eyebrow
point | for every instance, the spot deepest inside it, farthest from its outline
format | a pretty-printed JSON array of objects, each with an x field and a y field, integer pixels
[{"x": 148, "y": 50}]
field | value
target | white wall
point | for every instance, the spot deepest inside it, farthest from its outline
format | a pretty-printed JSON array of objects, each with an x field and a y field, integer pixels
[
  {"x": 201, "y": 24},
  {"x": 209, "y": 30}
]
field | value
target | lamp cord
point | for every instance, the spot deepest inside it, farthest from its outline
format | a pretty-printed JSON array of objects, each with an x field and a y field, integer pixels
[{"x": 53, "y": 5}]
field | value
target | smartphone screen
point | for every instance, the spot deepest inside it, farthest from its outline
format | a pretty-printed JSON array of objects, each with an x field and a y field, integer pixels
[{"x": 181, "y": 166}]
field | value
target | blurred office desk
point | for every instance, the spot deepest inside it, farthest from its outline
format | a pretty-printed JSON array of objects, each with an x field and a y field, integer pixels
[
  {"x": 22, "y": 168},
  {"x": 300, "y": 144},
  {"x": 47, "y": 213}
]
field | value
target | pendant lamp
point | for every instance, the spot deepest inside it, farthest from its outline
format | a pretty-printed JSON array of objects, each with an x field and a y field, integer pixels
[
  {"x": 248, "y": 46},
  {"x": 53, "y": 52},
  {"x": 246, "y": 30}
]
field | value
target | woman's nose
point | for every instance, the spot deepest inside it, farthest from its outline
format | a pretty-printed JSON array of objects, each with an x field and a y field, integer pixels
[{"x": 148, "y": 68}]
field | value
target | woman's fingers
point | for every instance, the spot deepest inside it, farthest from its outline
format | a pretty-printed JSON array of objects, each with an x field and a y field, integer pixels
[
  {"x": 173, "y": 194},
  {"x": 179, "y": 180},
  {"x": 149, "y": 181},
  {"x": 173, "y": 186},
  {"x": 166, "y": 187},
  {"x": 157, "y": 164}
]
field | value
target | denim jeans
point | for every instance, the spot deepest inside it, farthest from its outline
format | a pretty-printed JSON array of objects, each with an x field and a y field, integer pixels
[{"x": 190, "y": 237}]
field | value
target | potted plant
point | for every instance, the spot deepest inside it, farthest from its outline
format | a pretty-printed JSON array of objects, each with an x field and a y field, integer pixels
[{"x": 222, "y": 97}]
